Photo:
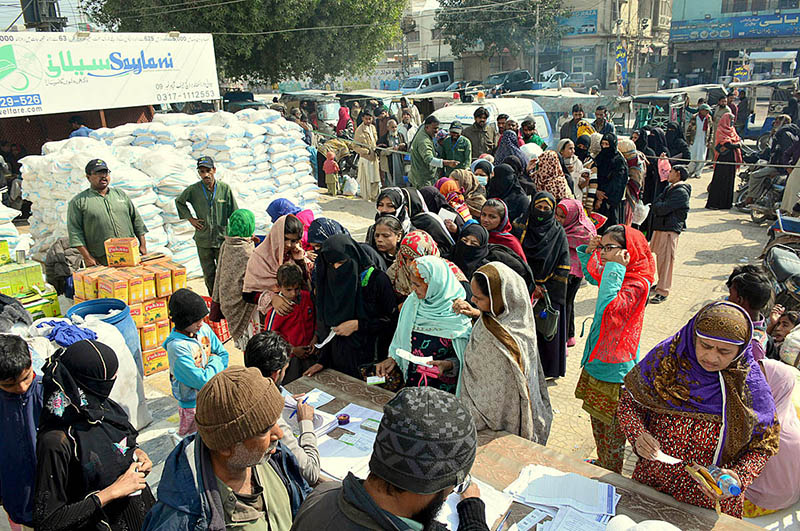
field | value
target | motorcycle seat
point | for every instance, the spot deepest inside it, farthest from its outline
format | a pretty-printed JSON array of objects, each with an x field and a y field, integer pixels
[{"x": 782, "y": 262}]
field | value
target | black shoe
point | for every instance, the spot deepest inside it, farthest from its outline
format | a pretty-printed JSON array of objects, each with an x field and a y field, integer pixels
[{"x": 658, "y": 299}]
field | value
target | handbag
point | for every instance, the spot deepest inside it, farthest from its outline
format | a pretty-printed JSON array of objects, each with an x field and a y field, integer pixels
[{"x": 546, "y": 318}]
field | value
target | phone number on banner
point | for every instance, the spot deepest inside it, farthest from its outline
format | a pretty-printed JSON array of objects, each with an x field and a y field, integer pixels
[
  {"x": 187, "y": 95},
  {"x": 23, "y": 100}
]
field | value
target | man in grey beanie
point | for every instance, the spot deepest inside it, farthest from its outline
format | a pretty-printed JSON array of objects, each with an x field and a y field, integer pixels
[{"x": 424, "y": 449}]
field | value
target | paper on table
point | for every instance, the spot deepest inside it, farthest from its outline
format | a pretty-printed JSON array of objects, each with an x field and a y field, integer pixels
[
  {"x": 419, "y": 360},
  {"x": 543, "y": 485},
  {"x": 323, "y": 422},
  {"x": 568, "y": 519},
  {"x": 447, "y": 214},
  {"x": 668, "y": 459},
  {"x": 350, "y": 453},
  {"x": 316, "y": 399},
  {"x": 328, "y": 339},
  {"x": 533, "y": 518},
  {"x": 496, "y": 502}
]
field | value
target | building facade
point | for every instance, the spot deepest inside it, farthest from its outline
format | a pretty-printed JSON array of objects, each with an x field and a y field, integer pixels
[{"x": 716, "y": 40}]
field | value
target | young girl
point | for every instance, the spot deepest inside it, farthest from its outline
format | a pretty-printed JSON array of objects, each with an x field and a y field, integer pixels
[
  {"x": 621, "y": 264},
  {"x": 386, "y": 236},
  {"x": 428, "y": 326},
  {"x": 580, "y": 230},
  {"x": 494, "y": 218}
]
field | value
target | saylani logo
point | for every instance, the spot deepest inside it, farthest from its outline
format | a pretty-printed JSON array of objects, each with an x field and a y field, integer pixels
[
  {"x": 20, "y": 69},
  {"x": 114, "y": 65}
]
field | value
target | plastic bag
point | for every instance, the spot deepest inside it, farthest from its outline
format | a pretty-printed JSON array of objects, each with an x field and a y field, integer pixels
[
  {"x": 640, "y": 212},
  {"x": 664, "y": 167},
  {"x": 350, "y": 186}
]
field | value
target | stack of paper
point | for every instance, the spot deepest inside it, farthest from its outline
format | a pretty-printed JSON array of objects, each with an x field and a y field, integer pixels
[
  {"x": 496, "y": 502},
  {"x": 552, "y": 491},
  {"x": 314, "y": 398},
  {"x": 350, "y": 452},
  {"x": 323, "y": 422}
]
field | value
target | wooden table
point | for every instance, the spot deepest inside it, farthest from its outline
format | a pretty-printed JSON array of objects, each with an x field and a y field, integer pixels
[{"x": 502, "y": 455}]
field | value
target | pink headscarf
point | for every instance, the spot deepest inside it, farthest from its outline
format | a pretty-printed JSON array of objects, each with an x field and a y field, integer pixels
[
  {"x": 777, "y": 487},
  {"x": 344, "y": 119},
  {"x": 726, "y": 133},
  {"x": 440, "y": 182},
  {"x": 579, "y": 229}
]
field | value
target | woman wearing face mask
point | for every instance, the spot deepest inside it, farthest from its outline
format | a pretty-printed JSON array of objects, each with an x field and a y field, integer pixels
[
  {"x": 387, "y": 232},
  {"x": 356, "y": 302},
  {"x": 621, "y": 264},
  {"x": 574, "y": 166},
  {"x": 545, "y": 245},
  {"x": 700, "y": 397},
  {"x": 582, "y": 148},
  {"x": 281, "y": 245},
  {"x": 612, "y": 177},
  {"x": 482, "y": 169},
  {"x": 494, "y": 218},
  {"x": 505, "y": 186},
  {"x": 503, "y": 343},
  {"x": 428, "y": 326}
]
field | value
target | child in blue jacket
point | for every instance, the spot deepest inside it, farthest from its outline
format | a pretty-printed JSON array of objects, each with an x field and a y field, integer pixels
[
  {"x": 195, "y": 354},
  {"x": 20, "y": 407}
]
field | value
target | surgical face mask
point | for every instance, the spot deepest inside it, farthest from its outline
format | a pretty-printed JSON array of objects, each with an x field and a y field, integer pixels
[{"x": 482, "y": 179}]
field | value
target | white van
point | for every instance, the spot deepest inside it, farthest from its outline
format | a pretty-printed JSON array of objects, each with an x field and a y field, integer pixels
[{"x": 423, "y": 83}]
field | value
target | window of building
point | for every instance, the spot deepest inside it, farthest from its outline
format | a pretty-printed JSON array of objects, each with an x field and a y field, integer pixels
[
  {"x": 742, "y": 6},
  {"x": 662, "y": 13},
  {"x": 788, "y": 4},
  {"x": 436, "y": 34},
  {"x": 413, "y": 36}
]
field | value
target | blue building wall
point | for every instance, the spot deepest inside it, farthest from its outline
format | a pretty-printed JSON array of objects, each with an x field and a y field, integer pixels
[{"x": 690, "y": 24}]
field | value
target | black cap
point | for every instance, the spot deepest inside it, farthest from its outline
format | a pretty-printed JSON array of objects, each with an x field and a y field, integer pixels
[
  {"x": 96, "y": 165},
  {"x": 205, "y": 162}
]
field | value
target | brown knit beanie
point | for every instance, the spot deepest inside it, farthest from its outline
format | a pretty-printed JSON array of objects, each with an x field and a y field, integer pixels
[{"x": 235, "y": 405}]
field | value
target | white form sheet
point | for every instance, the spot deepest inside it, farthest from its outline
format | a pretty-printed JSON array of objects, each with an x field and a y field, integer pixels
[
  {"x": 351, "y": 452},
  {"x": 496, "y": 502}
]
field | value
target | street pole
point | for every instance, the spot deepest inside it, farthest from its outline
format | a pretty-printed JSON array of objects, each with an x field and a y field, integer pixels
[{"x": 536, "y": 53}]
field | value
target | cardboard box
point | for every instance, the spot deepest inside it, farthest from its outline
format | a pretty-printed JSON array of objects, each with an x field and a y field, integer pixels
[
  {"x": 122, "y": 252},
  {"x": 154, "y": 361},
  {"x": 33, "y": 275},
  {"x": 149, "y": 336},
  {"x": 136, "y": 313},
  {"x": 5, "y": 254},
  {"x": 163, "y": 277},
  {"x": 13, "y": 280},
  {"x": 154, "y": 310},
  {"x": 111, "y": 287},
  {"x": 45, "y": 305},
  {"x": 77, "y": 284},
  {"x": 148, "y": 282},
  {"x": 221, "y": 328},
  {"x": 178, "y": 275},
  {"x": 135, "y": 285},
  {"x": 163, "y": 329},
  {"x": 78, "y": 300},
  {"x": 90, "y": 278}
]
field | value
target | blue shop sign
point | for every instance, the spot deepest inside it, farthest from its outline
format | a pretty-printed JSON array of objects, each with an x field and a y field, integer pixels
[
  {"x": 750, "y": 27},
  {"x": 580, "y": 23}
]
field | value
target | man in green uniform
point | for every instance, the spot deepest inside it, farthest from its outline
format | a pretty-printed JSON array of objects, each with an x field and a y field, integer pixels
[
  {"x": 100, "y": 213},
  {"x": 424, "y": 162},
  {"x": 213, "y": 203},
  {"x": 458, "y": 148}
]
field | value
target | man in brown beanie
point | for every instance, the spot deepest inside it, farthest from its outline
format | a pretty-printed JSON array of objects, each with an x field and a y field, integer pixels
[
  {"x": 235, "y": 473},
  {"x": 423, "y": 451}
]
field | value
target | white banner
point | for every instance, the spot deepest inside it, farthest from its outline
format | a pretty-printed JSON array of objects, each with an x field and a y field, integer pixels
[{"x": 44, "y": 73}]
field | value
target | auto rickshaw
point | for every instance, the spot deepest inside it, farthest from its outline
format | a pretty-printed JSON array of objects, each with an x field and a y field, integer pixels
[
  {"x": 658, "y": 109},
  {"x": 777, "y": 92},
  {"x": 322, "y": 107}
]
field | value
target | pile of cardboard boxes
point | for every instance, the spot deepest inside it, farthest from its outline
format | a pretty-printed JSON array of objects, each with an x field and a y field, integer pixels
[
  {"x": 145, "y": 285},
  {"x": 24, "y": 280}
]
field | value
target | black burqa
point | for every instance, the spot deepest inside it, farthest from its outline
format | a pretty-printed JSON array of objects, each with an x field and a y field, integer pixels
[
  {"x": 355, "y": 290},
  {"x": 677, "y": 145},
  {"x": 101, "y": 443},
  {"x": 521, "y": 172},
  {"x": 470, "y": 258},
  {"x": 547, "y": 250},
  {"x": 505, "y": 186},
  {"x": 582, "y": 148},
  {"x": 612, "y": 178}
]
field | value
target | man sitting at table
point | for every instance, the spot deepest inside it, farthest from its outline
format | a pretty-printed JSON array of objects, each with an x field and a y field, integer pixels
[
  {"x": 269, "y": 353},
  {"x": 234, "y": 473},
  {"x": 424, "y": 449}
]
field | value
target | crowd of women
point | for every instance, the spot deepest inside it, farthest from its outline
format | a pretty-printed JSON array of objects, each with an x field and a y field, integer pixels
[{"x": 471, "y": 289}]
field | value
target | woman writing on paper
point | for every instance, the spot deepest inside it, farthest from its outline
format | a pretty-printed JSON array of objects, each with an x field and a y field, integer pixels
[{"x": 700, "y": 397}]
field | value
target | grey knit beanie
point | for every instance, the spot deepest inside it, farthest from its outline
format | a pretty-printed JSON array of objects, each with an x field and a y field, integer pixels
[{"x": 426, "y": 441}]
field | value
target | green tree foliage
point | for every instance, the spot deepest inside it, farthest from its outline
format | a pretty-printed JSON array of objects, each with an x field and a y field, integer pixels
[
  {"x": 251, "y": 37},
  {"x": 499, "y": 24}
]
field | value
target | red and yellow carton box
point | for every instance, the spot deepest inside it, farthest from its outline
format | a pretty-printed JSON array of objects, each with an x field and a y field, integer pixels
[
  {"x": 77, "y": 285},
  {"x": 136, "y": 314},
  {"x": 148, "y": 281},
  {"x": 178, "y": 275},
  {"x": 90, "y": 278},
  {"x": 78, "y": 300},
  {"x": 163, "y": 278},
  {"x": 135, "y": 285},
  {"x": 163, "y": 329},
  {"x": 149, "y": 336},
  {"x": 221, "y": 328},
  {"x": 154, "y": 310},
  {"x": 112, "y": 287},
  {"x": 154, "y": 361},
  {"x": 121, "y": 252}
]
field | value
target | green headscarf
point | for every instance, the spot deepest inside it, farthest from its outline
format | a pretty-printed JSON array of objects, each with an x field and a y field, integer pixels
[{"x": 242, "y": 223}]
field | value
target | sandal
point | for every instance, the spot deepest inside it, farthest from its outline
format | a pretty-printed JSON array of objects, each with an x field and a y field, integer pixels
[{"x": 658, "y": 298}]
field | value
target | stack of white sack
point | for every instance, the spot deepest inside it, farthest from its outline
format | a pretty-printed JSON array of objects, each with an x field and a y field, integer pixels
[{"x": 261, "y": 155}]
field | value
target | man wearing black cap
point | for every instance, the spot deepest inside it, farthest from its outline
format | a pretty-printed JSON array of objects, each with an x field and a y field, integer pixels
[
  {"x": 100, "y": 213},
  {"x": 423, "y": 451},
  {"x": 213, "y": 203}
]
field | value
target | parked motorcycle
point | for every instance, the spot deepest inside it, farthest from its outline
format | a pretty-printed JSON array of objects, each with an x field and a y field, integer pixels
[
  {"x": 765, "y": 207},
  {"x": 783, "y": 264}
]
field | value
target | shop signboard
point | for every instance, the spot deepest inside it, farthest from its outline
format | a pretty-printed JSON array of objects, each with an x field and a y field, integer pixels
[
  {"x": 45, "y": 73},
  {"x": 580, "y": 23},
  {"x": 750, "y": 27}
]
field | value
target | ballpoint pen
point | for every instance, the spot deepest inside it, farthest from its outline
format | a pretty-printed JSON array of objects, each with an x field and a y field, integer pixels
[{"x": 295, "y": 411}]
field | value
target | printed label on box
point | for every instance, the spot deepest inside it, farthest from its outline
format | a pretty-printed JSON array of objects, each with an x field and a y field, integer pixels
[{"x": 154, "y": 361}]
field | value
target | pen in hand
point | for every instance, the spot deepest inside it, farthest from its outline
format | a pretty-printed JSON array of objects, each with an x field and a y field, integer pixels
[{"x": 295, "y": 411}]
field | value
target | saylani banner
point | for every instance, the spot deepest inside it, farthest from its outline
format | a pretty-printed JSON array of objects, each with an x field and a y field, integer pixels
[
  {"x": 45, "y": 73},
  {"x": 750, "y": 27}
]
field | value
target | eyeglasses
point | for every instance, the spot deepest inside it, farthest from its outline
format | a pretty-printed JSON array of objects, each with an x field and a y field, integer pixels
[{"x": 609, "y": 247}]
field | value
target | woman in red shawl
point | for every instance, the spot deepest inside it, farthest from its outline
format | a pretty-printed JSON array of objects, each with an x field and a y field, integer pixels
[
  {"x": 580, "y": 230},
  {"x": 494, "y": 218},
  {"x": 622, "y": 265},
  {"x": 728, "y": 148},
  {"x": 345, "y": 126}
]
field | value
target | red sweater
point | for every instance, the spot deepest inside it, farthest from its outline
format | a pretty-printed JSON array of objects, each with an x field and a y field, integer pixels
[{"x": 299, "y": 326}]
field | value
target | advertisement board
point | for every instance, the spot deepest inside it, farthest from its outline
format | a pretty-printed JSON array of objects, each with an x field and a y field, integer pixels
[
  {"x": 580, "y": 23},
  {"x": 750, "y": 27},
  {"x": 44, "y": 73}
]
